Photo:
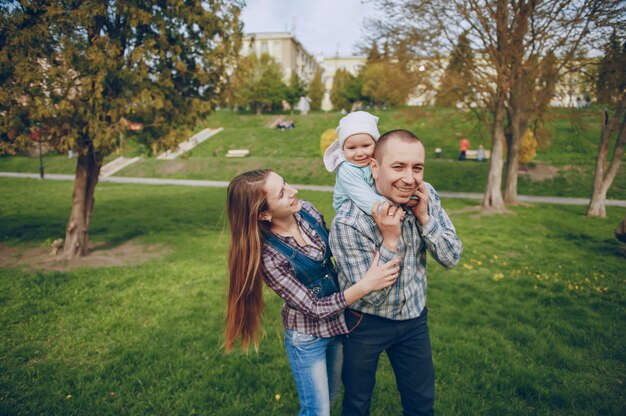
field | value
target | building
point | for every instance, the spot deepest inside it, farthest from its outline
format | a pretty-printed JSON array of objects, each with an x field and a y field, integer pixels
[
  {"x": 329, "y": 66},
  {"x": 286, "y": 50},
  {"x": 292, "y": 56}
]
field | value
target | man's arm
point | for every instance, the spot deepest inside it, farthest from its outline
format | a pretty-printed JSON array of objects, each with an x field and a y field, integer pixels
[
  {"x": 438, "y": 232},
  {"x": 353, "y": 250}
]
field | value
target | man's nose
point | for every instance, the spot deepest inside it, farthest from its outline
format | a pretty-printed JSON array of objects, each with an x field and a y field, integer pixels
[{"x": 408, "y": 178}]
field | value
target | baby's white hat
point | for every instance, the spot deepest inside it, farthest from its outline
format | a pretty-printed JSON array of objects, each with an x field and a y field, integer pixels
[{"x": 353, "y": 123}]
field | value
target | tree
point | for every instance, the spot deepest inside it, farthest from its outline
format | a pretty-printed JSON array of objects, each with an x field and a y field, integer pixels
[
  {"x": 261, "y": 86},
  {"x": 77, "y": 68},
  {"x": 611, "y": 78},
  {"x": 385, "y": 83},
  {"x": 345, "y": 90},
  {"x": 316, "y": 91},
  {"x": 512, "y": 39},
  {"x": 456, "y": 82},
  {"x": 295, "y": 90},
  {"x": 604, "y": 175}
]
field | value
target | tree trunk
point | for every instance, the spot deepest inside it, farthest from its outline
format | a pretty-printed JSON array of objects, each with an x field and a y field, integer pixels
[
  {"x": 492, "y": 200},
  {"x": 603, "y": 177},
  {"x": 519, "y": 123},
  {"x": 88, "y": 167}
]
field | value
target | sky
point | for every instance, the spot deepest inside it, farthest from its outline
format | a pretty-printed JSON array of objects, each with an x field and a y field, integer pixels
[{"x": 322, "y": 26}]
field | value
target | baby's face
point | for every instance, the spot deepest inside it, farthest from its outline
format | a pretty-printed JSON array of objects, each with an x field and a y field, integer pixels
[{"x": 358, "y": 149}]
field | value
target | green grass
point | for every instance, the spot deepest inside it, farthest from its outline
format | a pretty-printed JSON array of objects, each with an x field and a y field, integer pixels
[
  {"x": 568, "y": 142},
  {"x": 530, "y": 323}
]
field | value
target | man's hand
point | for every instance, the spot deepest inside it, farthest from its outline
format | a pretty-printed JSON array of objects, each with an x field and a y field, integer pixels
[
  {"x": 419, "y": 204},
  {"x": 388, "y": 219}
]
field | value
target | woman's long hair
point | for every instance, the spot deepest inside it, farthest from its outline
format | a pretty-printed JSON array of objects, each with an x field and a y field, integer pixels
[{"x": 246, "y": 198}]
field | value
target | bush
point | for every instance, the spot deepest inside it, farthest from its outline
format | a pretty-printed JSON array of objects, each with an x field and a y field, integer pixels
[
  {"x": 326, "y": 139},
  {"x": 528, "y": 149}
]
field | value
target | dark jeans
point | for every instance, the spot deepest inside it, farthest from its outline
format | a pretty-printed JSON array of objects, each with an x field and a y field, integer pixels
[{"x": 407, "y": 345}]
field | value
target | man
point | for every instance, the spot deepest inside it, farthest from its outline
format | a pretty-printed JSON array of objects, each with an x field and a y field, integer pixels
[{"x": 394, "y": 319}]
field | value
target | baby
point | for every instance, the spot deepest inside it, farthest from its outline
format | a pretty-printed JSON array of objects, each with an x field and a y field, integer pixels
[{"x": 350, "y": 156}]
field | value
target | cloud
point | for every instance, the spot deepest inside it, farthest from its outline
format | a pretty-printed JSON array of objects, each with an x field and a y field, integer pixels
[{"x": 322, "y": 26}]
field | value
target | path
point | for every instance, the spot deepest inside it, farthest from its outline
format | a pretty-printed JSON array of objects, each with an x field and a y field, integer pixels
[{"x": 224, "y": 184}]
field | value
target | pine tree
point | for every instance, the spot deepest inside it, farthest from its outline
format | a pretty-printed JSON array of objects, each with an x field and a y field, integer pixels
[
  {"x": 78, "y": 68},
  {"x": 456, "y": 83},
  {"x": 611, "y": 80}
]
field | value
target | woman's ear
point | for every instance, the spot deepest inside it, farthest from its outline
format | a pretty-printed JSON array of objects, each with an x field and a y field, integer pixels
[{"x": 265, "y": 216}]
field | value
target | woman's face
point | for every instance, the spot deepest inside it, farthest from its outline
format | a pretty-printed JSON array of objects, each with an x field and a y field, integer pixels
[{"x": 281, "y": 198}]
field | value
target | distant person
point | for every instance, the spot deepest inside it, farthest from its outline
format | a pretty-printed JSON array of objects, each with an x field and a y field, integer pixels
[
  {"x": 463, "y": 147},
  {"x": 480, "y": 153},
  {"x": 393, "y": 320},
  {"x": 283, "y": 241},
  {"x": 349, "y": 156}
]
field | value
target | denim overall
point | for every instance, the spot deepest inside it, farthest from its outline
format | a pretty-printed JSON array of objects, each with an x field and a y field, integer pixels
[{"x": 319, "y": 276}]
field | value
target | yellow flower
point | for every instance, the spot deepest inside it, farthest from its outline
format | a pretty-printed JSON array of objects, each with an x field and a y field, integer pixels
[
  {"x": 497, "y": 277},
  {"x": 468, "y": 266},
  {"x": 68, "y": 397},
  {"x": 277, "y": 397}
]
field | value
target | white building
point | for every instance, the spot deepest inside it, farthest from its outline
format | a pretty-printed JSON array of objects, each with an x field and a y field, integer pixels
[
  {"x": 329, "y": 66},
  {"x": 285, "y": 49}
]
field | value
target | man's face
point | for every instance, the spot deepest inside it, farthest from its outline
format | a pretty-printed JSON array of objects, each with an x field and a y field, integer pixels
[{"x": 400, "y": 170}]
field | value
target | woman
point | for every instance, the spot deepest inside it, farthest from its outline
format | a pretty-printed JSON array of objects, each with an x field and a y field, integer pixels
[{"x": 279, "y": 239}]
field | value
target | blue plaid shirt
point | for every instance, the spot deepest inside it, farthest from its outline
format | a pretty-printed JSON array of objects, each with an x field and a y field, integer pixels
[{"x": 354, "y": 239}]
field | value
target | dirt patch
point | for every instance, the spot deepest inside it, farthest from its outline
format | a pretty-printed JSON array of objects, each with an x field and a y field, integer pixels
[
  {"x": 273, "y": 122},
  {"x": 100, "y": 255},
  {"x": 172, "y": 166},
  {"x": 411, "y": 113},
  {"x": 538, "y": 172}
]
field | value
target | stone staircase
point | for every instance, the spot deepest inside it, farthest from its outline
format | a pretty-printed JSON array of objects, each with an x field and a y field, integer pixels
[
  {"x": 187, "y": 145},
  {"x": 116, "y": 165}
]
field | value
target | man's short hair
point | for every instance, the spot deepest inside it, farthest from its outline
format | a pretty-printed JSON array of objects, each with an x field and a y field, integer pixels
[{"x": 404, "y": 135}]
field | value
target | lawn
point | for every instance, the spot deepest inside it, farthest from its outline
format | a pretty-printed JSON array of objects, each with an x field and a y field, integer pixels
[
  {"x": 531, "y": 322},
  {"x": 568, "y": 145}
]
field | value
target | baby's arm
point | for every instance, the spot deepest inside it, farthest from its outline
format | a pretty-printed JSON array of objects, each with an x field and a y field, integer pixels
[{"x": 353, "y": 182}]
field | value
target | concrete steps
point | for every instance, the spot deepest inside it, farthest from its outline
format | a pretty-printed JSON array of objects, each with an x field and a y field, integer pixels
[
  {"x": 187, "y": 145},
  {"x": 116, "y": 165}
]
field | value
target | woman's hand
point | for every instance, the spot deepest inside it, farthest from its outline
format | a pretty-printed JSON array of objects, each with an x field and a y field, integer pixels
[{"x": 380, "y": 277}]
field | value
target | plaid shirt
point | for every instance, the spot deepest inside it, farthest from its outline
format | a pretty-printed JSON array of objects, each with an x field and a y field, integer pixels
[
  {"x": 354, "y": 239},
  {"x": 302, "y": 311}
]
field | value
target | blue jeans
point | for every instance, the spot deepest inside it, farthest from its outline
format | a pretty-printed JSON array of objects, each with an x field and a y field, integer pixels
[{"x": 316, "y": 367}]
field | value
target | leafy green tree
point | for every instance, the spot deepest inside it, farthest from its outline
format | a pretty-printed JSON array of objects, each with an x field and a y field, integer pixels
[
  {"x": 261, "y": 86},
  {"x": 611, "y": 80},
  {"x": 385, "y": 84},
  {"x": 456, "y": 82},
  {"x": 343, "y": 92},
  {"x": 316, "y": 91},
  {"x": 77, "y": 68},
  {"x": 295, "y": 90}
]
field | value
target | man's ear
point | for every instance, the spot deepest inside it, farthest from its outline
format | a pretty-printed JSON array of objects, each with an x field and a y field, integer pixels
[{"x": 374, "y": 166}]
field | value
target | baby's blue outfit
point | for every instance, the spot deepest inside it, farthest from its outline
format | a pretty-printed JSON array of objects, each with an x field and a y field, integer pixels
[{"x": 355, "y": 183}]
